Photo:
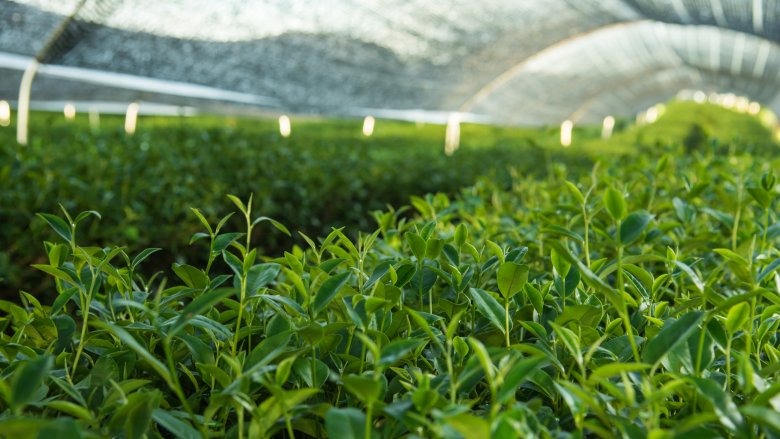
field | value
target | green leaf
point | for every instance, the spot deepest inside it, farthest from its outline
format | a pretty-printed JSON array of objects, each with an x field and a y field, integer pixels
[
  {"x": 279, "y": 226},
  {"x": 691, "y": 274},
  {"x": 200, "y": 351},
  {"x": 469, "y": 426},
  {"x": 484, "y": 361},
  {"x": 58, "y": 225},
  {"x": 562, "y": 231},
  {"x": 671, "y": 336},
  {"x": 174, "y": 425},
  {"x": 260, "y": 275},
  {"x": 417, "y": 244},
  {"x": 633, "y": 226},
  {"x": 268, "y": 349},
  {"x": 512, "y": 277},
  {"x": 490, "y": 308},
  {"x": 570, "y": 340},
  {"x": 348, "y": 423},
  {"x": 27, "y": 379},
  {"x": 379, "y": 271},
  {"x": 613, "y": 369},
  {"x": 761, "y": 196},
  {"x": 66, "y": 327},
  {"x": 133, "y": 419},
  {"x": 239, "y": 204},
  {"x": 615, "y": 204},
  {"x": 519, "y": 371},
  {"x": 191, "y": 276},
  {"x": 728, "y": 413},
  {"x": 56, "y": 272},
  {"x": 328, "y": 291},
  {"x": 535, "y": 296},
  {"x": 575, "y": 192},
  {"x": 737, "y": 317},
  {"x": 142, "y": 256},
  {"x": 769, "y": 269},
  {"x": 763, "y": 416},
  {"x": 199, "y": 306},
  {"x": 139, "y": 349},
  {"x": 396, "y": 350},
  {"x": 365, "y": 388},
  {"x": 461, "y": 235},
  {"x": 71, "y": 409}
]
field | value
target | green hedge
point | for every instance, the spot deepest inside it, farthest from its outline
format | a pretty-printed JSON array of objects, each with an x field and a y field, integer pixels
[
  {"x": 326, "y": 175},
  {"x": 632, "y": 300}
]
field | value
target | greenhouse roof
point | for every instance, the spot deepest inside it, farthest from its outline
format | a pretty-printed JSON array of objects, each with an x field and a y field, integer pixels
[{"x": 522, "y": 62}]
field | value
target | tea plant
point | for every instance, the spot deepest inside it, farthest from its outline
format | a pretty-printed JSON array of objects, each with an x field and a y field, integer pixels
[{"x": 629, "y": 301}]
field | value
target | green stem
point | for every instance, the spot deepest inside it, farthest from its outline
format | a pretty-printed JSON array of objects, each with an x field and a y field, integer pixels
[
  {"x": 766, "y": 226},
  {"x": 506, "y": 321},
  {"x": 728, "y": 364},
  {"x": 586, "y": 243},
  {"x": 240, "y": 315},
  {"x": 368, "y": 421},
  {"x": 736, "y": 218},
  {"x": 621, "y": 291}
]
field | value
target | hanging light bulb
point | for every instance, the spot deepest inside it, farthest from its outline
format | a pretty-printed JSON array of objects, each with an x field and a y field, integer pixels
[
  {"x": 284, "y": 126},
  {"x": 452, "y": 135},
  {"x": 69, "y": 111},
  {"x": 131, "y": 118},
  {"x": 566, "y": 128},
  {"x": 368, "y": 126},
  {"x": 5, "y": 114},
  {"x": 607, "y": 127}
]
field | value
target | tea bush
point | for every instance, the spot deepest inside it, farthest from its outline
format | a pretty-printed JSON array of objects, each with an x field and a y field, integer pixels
[
  {"x": 632, "y": 300},
  {"x": 324, "y": 176}
]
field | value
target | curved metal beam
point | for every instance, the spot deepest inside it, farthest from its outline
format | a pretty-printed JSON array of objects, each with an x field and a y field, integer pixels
[
  {"x": 513, "y": 71},
  {"x": 510, "y": 73}
]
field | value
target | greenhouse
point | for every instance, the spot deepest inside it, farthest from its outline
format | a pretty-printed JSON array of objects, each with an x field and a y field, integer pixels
[{"x": 389, "y": 219}]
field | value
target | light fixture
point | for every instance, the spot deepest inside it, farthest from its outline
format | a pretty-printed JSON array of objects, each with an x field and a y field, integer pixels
[
  {"x": 368, "y": 126},
  {"x": 452, "y": 135},
  {"x": 69, "y": 111},
  {"x": 5, "y": 114},
  {"x": 607, "y": 126},
  {"x": 284, "y": 126},
  {"x": 566, "y": 128},
  {"x": 131, "y": 118}
]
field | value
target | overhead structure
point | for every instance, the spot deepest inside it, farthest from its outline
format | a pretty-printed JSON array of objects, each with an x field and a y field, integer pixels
[{"x": 518, "y": 62}]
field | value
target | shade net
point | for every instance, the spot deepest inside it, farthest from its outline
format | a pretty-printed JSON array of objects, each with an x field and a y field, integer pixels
[{"x": 518, "y": 62}]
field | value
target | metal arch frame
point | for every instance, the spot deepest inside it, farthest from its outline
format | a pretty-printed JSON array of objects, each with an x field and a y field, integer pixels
[
  {"x": 510, "y": 74},
  {"x": 646, "y": 76},
  {"x": 718, "y": 69},
  {"x": 681, "y": 81},
  {"x": 680, "y": 9}
]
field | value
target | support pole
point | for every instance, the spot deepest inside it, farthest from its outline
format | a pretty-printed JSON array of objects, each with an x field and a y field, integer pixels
[{"x": 23, "y": 109}]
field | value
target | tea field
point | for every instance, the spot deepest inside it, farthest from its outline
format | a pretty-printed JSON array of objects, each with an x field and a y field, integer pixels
[{"x": 625, "y": 289}]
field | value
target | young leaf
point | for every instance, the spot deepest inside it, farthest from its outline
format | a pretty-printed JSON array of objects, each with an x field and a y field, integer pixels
[
  {"x": 633, "y": 226},
  {"x": 671, "y": 336},
  {"x": 737, "y": 317},
  {"x": 347, "y": 423},
  {"x": 512, "y": 277},
  {"x": 27, "y": 379},
  {"x": 58, "y": 225},
  {"x": 328, "y": 291},
  {"x": 615, "y": 204},
  {"x": 517, "y": 374},
  {"x": 490, "y": 308}
]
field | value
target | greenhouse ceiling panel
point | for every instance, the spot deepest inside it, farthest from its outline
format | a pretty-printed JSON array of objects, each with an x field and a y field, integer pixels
[{"x": 519, "y": 62}]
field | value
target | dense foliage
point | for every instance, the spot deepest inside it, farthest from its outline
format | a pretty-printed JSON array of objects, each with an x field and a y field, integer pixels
[
  {"x": 633, "y": 301},
  {"x": 326, "y": 175}
]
